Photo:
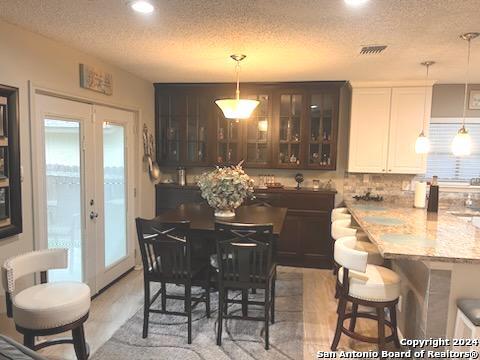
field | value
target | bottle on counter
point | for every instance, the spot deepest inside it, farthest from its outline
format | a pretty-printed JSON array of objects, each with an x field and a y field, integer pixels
[{"x": 433, "y": 195}]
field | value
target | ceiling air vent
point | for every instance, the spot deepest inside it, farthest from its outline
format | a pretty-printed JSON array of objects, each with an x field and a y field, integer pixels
[{"x": 372, "y": 49}]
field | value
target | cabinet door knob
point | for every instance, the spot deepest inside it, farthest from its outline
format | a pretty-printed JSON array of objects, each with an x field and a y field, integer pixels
[
  {"x": 383, "y": 170},
  {"x": 390, "y": 170}
]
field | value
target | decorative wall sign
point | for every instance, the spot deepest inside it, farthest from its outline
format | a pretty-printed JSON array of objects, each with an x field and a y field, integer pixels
[
  {"x": 474, "y": 103},
  {"x": 96, "y": 80}
]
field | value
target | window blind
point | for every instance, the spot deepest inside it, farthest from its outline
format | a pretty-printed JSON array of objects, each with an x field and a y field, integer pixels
[{"x": 443, "y": 163}]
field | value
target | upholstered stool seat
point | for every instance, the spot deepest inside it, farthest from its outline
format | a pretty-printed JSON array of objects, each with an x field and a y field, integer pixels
[
  {"x": 340, "y": 214},
  {"x": 374, "y": 256},
  {"x": 376, "y": 284},
  {"x": 51, "y": 305}
]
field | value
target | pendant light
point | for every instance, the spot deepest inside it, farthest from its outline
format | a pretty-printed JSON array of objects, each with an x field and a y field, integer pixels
[
  {"x": 422, "y": 145},
  {"x": 462, "y": 143},
  {"x": 237, "y": 109}
]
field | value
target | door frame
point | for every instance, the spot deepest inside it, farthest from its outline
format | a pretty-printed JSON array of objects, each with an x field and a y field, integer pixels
[{"x": 35, "y": 127}]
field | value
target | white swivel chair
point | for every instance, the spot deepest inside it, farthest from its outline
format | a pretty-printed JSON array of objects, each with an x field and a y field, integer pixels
[
  {"x": 341, "y": 213},
  {"x": 46, "y": 308},
  {"x": 366, "y": 285},
  {"x": 342, "y": 228}
]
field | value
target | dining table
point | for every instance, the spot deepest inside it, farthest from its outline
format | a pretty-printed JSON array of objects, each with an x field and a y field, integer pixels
[
  {"x": 202, "y": 227},
  {"x": 202, "y": 218}
]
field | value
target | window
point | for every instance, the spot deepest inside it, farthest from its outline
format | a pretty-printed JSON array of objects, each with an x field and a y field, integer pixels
[{"x": 441, "y": 161}]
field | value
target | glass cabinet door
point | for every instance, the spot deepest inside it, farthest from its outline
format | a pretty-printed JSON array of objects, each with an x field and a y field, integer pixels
[
  {"x": 258, "y": 126},
  {"x": 321, "y": 131},
  {"x": 172, "y": 111},
  {"x": 290, "y": 130},
  {"x": 228, "y": 140},
  {"x": 197, "y": 120}
]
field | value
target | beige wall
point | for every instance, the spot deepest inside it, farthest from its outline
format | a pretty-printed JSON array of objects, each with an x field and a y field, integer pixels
[
  {"x": 448, "y": 100},
  {"x": 24, "y": 57}
]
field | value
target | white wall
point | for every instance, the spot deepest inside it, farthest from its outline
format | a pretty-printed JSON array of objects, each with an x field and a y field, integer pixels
[{"x": 24, "y": 57}]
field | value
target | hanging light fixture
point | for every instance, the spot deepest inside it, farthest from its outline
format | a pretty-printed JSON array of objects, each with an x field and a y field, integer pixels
[
  {"x": 237, "y": 108},
  {"x": 422, "y": 145},
  {"x": 462, "y": 143}
]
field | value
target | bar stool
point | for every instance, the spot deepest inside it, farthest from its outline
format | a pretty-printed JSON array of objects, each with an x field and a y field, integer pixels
[
  {"x": 342, "y": 228},
  {"x": 467, "y": 323},
  {"x": 367, "y": 285},
  {"x": 341, "y": 213}
]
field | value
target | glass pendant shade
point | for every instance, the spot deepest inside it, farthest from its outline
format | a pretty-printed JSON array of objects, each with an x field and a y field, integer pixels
[
  {"x": 422, "y": 145},
  {"x": 462, "y": 143},
  {"x": 237, "y": 108}
]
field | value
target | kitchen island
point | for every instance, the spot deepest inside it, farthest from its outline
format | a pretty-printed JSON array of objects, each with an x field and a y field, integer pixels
[{"x": 437, "y": 256}]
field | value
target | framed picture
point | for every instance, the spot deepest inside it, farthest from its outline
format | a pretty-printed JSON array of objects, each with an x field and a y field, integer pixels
[
  {"x": 4, "y": 206},
  {"x": 3, "y": 163},
  {"x": 3, "y": 119},
  {"x": 474, "y": 103}
]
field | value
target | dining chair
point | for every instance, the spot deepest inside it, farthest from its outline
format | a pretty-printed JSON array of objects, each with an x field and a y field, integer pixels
[
  {"x": 167, "y": 259},
  {"x": 245, "y": 261}
]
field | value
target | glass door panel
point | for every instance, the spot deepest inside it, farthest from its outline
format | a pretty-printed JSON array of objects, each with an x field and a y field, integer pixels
[
  {"x": 114, "y": 193},
  {"x": 258, "y": 129},
  {"x": 290, "y": 129},
  {"x": 64, "y": 194},
  {"x": 321, "y": 129}
]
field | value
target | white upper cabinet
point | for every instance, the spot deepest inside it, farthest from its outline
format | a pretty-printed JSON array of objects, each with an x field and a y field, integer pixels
[
  {"x": 370, "y": 116},
  {"x": 385, "y": 123}
]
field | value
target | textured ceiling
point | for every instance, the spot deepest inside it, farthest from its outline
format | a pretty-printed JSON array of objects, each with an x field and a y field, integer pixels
[{"x": 190, "y": 40}]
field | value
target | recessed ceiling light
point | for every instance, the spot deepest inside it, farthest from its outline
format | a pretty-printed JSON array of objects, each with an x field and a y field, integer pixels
[
  {"x": 355, "y": 2},
  {"x": 142, "y": 6}
]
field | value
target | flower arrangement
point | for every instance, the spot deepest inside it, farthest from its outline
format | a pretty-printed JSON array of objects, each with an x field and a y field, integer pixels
[{"x": 225, "y": 188}]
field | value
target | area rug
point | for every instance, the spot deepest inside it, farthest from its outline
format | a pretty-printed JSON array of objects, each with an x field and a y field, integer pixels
[{"x": 241, "y": 339}]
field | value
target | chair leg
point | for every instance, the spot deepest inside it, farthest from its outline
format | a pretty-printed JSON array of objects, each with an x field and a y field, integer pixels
[
  {"x": 146, "y": 308},
  {"x": 272, "y": 307},
  {"x": 225, "y": 302},
  {"x": 29, "y": 341},
  {"x": 245, "y": 302},
  {"x": 381, "y": 329},
  {"x": 188, "y": 310},
  {"x": 267, "y": 318},
  {"x": 342, "y": 304},
  {"x": 393, "y": 320},
  {"x": 353, "y": 319},
  {"x": 207, "y": 295},
  {"x": 221, "y": 299},
  {"x": 79, "y": 343},
  {"x": 164, "y": 296}
]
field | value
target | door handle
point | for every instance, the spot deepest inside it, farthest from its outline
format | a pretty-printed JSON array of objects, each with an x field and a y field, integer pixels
[{"x": 93, "y": 215}]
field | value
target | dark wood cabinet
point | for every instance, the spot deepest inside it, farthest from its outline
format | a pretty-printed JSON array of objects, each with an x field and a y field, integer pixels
[
  {"x": 295, "y": 125},
  {"x": 305, "y": 239}
]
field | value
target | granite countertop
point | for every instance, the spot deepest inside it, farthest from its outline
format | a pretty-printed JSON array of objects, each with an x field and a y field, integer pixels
[
  {"x": 402, "y": 232},
  {"x": 303, "y": 189}
]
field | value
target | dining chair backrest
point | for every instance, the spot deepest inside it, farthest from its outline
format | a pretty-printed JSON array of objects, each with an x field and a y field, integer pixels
[
  {"x": 347, "y": 256},
  {"x": 165, "y": 248},
  {"x": 341, "y": 213},
  {"x": 342, "y": 228},
  {"x": 244, "y": 252}
]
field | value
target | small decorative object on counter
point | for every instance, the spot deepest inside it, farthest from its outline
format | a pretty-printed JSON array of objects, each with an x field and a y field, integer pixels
[
  {"x": 433, "y": 195},
  {"x": 299, "y": 179},
  {"x": 225, "y": 189},
  {"x": 368, "y": 197},
  {"x": 316, "y": 185},
  {"x": 181, "y": 176},
  {"x": 420, "y": 194}
]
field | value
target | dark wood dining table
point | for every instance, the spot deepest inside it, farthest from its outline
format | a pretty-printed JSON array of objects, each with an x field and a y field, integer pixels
[{"x": 202, "y": 219}]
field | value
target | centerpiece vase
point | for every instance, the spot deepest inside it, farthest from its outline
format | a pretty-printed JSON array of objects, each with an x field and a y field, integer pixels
[{"x": 224, "y": 213}]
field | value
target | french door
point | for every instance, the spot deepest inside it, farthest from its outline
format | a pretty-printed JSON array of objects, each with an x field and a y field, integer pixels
[{"x": 84, "y": 188}]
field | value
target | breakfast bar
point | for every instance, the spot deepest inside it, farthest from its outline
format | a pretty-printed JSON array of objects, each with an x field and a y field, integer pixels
[{"x": 437, "y": 256}]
